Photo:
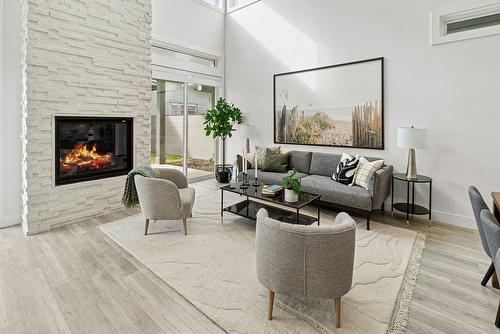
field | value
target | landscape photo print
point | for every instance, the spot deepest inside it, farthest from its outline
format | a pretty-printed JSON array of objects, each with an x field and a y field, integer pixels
[{"x": 338, "y": 105}]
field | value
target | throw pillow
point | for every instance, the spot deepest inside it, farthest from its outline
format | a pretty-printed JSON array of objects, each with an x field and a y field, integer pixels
[
  {"x": 250, "y": 159},
  {"x": 275, "y": 162},
  {"x": 346, "y": 169},
  {"x": 261, "y": 153},
  {"x": 365, "y": 171}
]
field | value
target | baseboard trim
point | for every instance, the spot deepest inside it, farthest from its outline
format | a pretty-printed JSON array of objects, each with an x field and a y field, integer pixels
[
  {"x": 10, "y": 220},
  {"x": 454, "y": 219}
]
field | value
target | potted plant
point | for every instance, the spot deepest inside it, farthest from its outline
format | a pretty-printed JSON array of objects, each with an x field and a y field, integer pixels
[
  {"x": 219, "y": 122},
  {"x": 292, "y": 184}
]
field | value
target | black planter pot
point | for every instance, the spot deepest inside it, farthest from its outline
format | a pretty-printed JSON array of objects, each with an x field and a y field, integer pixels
[{"x": 223, "y": 173}]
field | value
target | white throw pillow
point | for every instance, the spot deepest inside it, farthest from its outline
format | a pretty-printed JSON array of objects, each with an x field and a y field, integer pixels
[
  {"x": 365, "y": 171},
  {"x": 346, "y": 169},
  {"x": 250, "y": 159}
]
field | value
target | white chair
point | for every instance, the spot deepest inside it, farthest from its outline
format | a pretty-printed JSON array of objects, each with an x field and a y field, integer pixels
[{"x": 167, "y": 197}]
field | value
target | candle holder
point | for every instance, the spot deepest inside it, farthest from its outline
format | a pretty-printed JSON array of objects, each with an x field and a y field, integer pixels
[
  {"x": 244, "y": 182},
  {"x": 256, "y": 182}
]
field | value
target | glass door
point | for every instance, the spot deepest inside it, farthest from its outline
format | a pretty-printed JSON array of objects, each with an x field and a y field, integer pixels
[
  {"x": 167, "y": 123},
  {"x": 177, "y": 136},
  {"x": 200, "y": 148}
]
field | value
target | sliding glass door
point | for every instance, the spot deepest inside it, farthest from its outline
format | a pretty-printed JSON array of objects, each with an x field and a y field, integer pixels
[{"x": 178, "y": 140}]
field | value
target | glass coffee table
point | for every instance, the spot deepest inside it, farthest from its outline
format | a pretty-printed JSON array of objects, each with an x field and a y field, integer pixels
[{"x": 276, "y": 206}]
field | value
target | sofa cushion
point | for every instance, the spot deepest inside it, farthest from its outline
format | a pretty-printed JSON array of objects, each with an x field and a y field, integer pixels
[
  {"x": 337, "y": 193},
  {"x": 260, "y": 153},
  {"x": 275, "y": 162},
  {"x": 324, "y": 163},
  {"x": 300, "y": 160},
  {"x": 271, "y": 177}
]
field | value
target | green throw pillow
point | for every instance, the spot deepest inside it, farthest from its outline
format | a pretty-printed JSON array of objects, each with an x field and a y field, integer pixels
[{"x": 275, "y": 162}]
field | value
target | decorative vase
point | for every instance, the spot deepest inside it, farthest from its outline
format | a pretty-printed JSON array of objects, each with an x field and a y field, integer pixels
[
  {"x": 223, "y": 173},
  {"x": 291, "y": 196}
]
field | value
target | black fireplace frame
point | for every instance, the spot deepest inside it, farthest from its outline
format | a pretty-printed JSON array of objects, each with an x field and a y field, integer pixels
[{"x": 103, "y": 174}]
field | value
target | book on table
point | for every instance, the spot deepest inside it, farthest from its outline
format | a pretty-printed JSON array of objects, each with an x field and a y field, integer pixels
[{"x": 271, "y": 189}]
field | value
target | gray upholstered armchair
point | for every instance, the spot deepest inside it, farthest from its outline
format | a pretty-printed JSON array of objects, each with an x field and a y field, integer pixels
[
  {"x": 168, "y": 197},
  {"x": 478, "y": 205},
  {"x": 305, "y": 261},
  {"x": 491, "y": 230}
]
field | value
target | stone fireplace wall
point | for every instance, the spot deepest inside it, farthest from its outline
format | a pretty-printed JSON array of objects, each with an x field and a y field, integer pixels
[{"x": 86, "y": 58}]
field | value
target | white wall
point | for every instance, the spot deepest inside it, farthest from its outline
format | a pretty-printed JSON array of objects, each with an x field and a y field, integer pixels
[
  {"x": 451, "y": 89},
  {"x": 10, "y": 114},
  {"x": 189, "y": 21}
]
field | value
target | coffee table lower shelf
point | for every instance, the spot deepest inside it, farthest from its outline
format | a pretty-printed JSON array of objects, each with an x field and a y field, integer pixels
[{"x": 249, "y": 209}]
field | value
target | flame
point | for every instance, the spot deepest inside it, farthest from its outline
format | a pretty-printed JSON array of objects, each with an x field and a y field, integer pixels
[{"x": 81, "y": 157}]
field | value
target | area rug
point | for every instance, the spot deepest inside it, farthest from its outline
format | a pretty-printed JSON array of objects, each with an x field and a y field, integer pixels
[{"x": 214, "y": 268}]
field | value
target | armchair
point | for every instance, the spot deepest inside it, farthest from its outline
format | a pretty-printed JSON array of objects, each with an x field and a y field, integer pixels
[
  {"x": 167, "y": 197},
  {"x": 478, "y": 205},
  {"x": 491, "y": 230},
  {"x": 305, "y": 261}
]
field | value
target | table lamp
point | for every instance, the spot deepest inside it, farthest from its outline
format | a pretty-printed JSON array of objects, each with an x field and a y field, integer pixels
[{"x": 412, "y": 138}]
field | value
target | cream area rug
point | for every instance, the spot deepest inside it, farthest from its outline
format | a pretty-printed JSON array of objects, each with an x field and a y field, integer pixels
[{"x": 214, "y": 268}]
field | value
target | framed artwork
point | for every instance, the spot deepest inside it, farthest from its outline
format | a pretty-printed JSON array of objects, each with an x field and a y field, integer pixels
[{"x": 338, "y": 105}]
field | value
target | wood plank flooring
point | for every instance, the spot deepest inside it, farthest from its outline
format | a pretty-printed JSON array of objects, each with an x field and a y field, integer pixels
[{"x": 75, "y": 279}]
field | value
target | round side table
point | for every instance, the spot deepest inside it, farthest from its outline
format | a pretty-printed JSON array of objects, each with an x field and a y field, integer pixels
[{"x": 410, "y": 208}]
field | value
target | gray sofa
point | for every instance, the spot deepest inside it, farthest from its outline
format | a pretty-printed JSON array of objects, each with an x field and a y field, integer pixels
[{"x": 316, "y": 170}]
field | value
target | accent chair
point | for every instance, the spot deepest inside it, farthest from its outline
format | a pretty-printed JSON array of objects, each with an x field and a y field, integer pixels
[
  {"x": 491, "y": 229},
  {"x": 306, "y": 261},
  {"x": 166, "y": 198},
  {"x": 478, "y": 205}
]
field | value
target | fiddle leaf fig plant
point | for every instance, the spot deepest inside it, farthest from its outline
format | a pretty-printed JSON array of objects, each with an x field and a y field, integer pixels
[
  {"x": 292, "y": 182},
  {"x": 220, "y": 121}
]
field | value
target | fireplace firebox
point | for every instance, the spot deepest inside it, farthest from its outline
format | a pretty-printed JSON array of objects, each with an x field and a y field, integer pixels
[{"x": 90, "y": 148}]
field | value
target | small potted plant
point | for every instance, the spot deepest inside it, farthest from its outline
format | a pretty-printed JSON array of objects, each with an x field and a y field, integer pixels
[
  {"x": 220, "y": 122},
  {"x": 292, "y": 184}
]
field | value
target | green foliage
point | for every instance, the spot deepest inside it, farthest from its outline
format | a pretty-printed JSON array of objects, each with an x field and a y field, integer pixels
[
  {"x": 308, "y": 129},
  {"x": 220, "y": 121},
  {"x": 323, "y": 121},
  {"x": 291, "y": 181}
]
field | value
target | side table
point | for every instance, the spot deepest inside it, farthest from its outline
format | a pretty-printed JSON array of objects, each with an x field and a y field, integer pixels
[{"x": 411, "y": 207}]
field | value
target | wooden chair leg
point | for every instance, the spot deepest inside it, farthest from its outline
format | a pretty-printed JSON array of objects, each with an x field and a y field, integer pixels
[
  {"x": 270, "y": 304},
  {"x": 497, "y": 321},
  {"x": 368, "y": 220},
  {"x": 337, "y": 312},
  {"x": 489, "y": 273},
  {"x": 184, "y": 222},
  {"x": 494, "y": 280},
  {"x": 146, "y": 225}
]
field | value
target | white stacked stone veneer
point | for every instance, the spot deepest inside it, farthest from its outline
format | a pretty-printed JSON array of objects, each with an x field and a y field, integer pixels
[{"x": 81, "y": 58}]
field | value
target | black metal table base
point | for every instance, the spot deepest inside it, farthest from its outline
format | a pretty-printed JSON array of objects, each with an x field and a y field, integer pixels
[{"x": 410, "y": 208}]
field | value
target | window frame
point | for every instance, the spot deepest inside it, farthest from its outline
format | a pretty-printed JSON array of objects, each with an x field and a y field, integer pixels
[
  {"x": 240, "y": 6},
  {"x": 440, "y": 18},
  {"x": 220, "y": 7}
]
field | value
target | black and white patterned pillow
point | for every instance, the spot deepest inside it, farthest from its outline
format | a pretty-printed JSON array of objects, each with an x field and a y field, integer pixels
[{"x": 346, "y": 169}]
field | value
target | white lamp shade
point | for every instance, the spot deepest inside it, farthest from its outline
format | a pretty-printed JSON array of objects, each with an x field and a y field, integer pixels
[
  {"x": 247, "y": 130},
  {"x": 412, "y": 138}
]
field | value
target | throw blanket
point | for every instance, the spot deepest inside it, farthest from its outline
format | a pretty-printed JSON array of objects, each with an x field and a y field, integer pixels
[{"x": 129, "y": 198}]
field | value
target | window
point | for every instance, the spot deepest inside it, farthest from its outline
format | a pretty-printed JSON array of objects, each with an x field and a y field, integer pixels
[
  {"x": 465, "y": 21},
  {"x": 475, "y": 23},
  {"x": 233, "y": 5},
  {"x": 218, "y": 4}
]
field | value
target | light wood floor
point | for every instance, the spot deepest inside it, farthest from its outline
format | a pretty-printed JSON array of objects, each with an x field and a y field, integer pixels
[{"x": 76, "y": 280}]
